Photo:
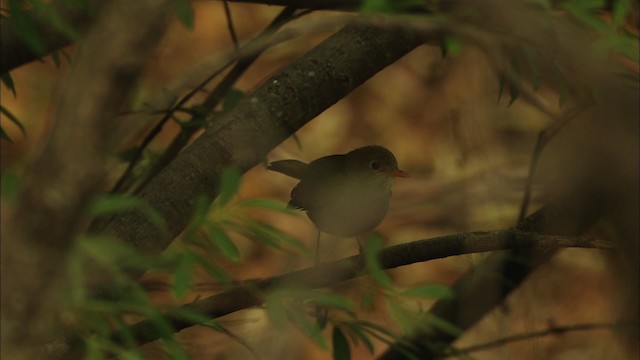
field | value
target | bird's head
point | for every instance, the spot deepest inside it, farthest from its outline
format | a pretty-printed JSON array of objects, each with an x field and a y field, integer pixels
[{"x": 374, "y": 162}]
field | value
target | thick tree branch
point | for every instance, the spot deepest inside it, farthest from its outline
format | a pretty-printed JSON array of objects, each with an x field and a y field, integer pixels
[
  {"x": 60, "y": 184},
  {"x": 282, "y": 105}
]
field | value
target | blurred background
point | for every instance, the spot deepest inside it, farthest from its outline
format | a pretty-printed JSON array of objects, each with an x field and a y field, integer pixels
[{"x": 468, "y": 152}]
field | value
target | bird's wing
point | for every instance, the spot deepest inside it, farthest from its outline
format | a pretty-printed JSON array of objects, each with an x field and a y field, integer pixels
[
  {"x": 294, "y": 168},
  {"x": 321, "y": 183}
]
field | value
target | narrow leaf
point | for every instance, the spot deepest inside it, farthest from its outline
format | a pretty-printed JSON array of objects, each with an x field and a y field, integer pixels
[
  {"x": 223, "y": 243},
  {"x": 341, "y": 349},
  {"x": 371, "y": 249},
  {"x": 231, "y": 99},
  {"x": 436, "y": 291},
  {"x": 7, "y": 80},
  {"x": 229, "y": 185},
  {"x": 14, "y": 119},
  {"x": 183, "y": 276},
  {"x": 184, "y": 12}
]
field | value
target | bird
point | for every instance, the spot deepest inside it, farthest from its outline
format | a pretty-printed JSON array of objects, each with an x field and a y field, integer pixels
[{"x": 346, "y": 195}]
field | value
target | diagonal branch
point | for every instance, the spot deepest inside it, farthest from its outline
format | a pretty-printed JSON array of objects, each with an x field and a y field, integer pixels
[{"x": 262, "y": 120}]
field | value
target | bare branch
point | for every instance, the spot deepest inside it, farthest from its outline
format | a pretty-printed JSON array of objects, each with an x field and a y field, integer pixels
[{"x": 323, "y": 275}]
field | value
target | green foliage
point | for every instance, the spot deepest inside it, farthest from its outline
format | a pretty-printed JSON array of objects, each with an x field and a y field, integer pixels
[
  {"x": 341, "y": 350},
  {"x": 116, "y": 203},
  {"x": 184, "y": 11},
  {"x": 371, "y": 249},
  {"x": 451, "y": 45},
  {"x": 10, "y": 187},
  {"x": 14, "y": 120},
  {"x": 7, "y": 80}
]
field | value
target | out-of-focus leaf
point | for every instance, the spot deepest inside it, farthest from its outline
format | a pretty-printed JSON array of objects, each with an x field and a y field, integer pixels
[
  {"x": 442, "y": 324},
  {"x": 45, "y": 10},
  {"x": 92, "y": 350},
  {"x": 357, "y": 331},
  {"x": 129, "y": 154},
  {"x": 341, "y": 350},
  {"x": 184, "y": 12},
  {"x": 223, "y": 243},
  {"x": 183, "y": 276},
  {"x": 4, "y": 135},
  {"x": 116, "y": 203},
  {"x": 435, "y": 291},
  {"x": 372, "y": 247},
  {"x": 513, "y": 89},
  {"x": 621, "y": 9},
  {"x": 55, "y": 56},
  {"x": 213, "y": 270},
  {"x": 324, "y": 299},
  {"x": 451, "y": 45},
  {"x": 270, "y": 236},
  {"x": 231, "y": 99},
  {"x": 25, "y": 27},
  {"x": 309, "y": 327},
  {"x": 534, "y": 67},
  {"x": 201, "y": 208},
  {"x": 562, "y": 84},
  {"x": 229, "y": 185},
  {"x": 276, "y": 309},
  {"x": 405, "y": 319},
  {"x": 7, "y": 80},
  {"x": 10, "y": 187},
  {"x": 196, "y": 317},
  {"x": 174, "y": 350},
  {"x": 14, "y": 119}
]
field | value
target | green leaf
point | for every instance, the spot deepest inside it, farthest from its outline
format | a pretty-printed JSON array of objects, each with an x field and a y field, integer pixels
[
  {"x": 129, "y": 154},
  {"x": 183, "y": 276},
  {"x": 55, "y": 56},
  {"x": 4, "y": 135},
  {"x": 14, "y": 119},
  {"x": 324, "y": 299},
  {"x": 10, "y": 186},
  {"x": 196, "y": 317},
  {"x": 358, "y": 332},
  {"x": 268, "y": 235},
  {"x": 451, "y": 45},
  {"x": 223, "y": 243},
  {"x": 229, "y": 185},
  {"x": 231, "y": 99},
  {"x": 536, "y": 73},
  {"x": 7, "y": 80},
  {"x": 274, "y": 304},
  {"x": 436, "y": 291},
  {"x": 173, "y": 349},
  {"x": 442, "y": 324},
  {"x": 309, "y": 327},
  {"x": 25, "y": 27},
  {"x": 341, "y": 349},
  {"x": 201, "y": 209},
  {"x": 184, "y": 12},
  {"x": 404, "y": 318},
  {"x": 213, "y": 270},
  {"x": 621, "y": 9},
  {"x": 117, "y": 203},
  {"x": 371, "y": 249}
]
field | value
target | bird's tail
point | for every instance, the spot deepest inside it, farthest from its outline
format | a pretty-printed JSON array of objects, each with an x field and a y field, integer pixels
[{"x": 293, "y": 168}]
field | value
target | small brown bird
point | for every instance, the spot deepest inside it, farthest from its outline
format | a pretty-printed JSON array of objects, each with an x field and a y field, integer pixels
[{"x": 345, "y": 195}]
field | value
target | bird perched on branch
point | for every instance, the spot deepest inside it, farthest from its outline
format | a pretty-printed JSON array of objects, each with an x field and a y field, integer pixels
[{"x": 345, "y": 195}]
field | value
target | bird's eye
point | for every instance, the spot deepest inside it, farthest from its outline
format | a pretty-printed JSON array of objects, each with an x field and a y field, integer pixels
[{"x": 375, "y": 165}]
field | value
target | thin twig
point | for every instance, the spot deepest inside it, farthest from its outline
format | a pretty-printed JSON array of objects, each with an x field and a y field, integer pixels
[
  {"x": 215, "y": 96},
  {"x": 232, "y": 29},
  {"x": 552, "y": 330}
]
